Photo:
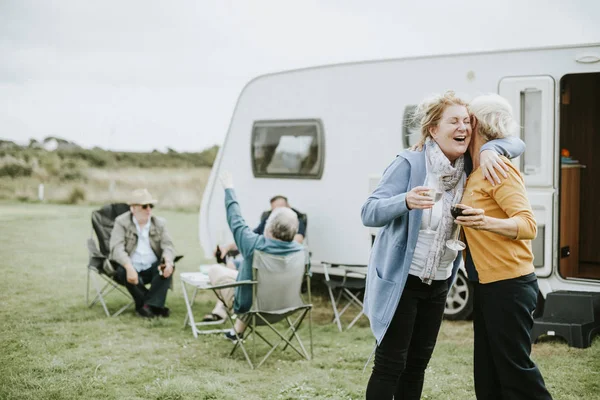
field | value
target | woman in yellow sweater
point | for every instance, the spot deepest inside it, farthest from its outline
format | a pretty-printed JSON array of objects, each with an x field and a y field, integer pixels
[{"x": 498, "y": 227}]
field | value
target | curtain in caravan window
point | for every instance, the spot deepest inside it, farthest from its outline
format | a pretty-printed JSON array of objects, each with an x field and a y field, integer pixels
[
  {"x": 287, "y": 150},
  {"x": 291, "y": 151}
]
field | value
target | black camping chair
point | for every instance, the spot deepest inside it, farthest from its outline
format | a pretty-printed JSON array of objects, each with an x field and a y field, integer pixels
[{"x": 99, "y": 267}]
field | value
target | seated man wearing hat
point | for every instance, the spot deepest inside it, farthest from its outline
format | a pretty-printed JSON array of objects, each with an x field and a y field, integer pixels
[{"x": 142, "y": 252}]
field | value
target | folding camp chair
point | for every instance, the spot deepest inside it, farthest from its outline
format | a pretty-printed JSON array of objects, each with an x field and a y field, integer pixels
[
  {"x": 276, "y": 296},
  {"x": 100, "y": 271},
  {"x": 349, "y": 283}
]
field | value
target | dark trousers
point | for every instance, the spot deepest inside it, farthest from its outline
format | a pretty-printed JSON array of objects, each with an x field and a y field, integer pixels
[
  {"x": 405, "y": 351},
  {"x": 502, "y": 322},
  {"x": 155, "y": 296}
]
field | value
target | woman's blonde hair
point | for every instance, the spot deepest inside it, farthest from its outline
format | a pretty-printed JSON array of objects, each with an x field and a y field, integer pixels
[
  {"x": 494, "y": 116},
  {"x": 429, "y": 113}
]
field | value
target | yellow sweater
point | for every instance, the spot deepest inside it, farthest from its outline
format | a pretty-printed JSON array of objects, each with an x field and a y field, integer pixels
[{"x": 498, "y": 257}]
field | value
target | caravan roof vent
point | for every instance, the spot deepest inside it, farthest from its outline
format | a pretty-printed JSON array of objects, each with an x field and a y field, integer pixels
[{"x": 587, "y": 58}]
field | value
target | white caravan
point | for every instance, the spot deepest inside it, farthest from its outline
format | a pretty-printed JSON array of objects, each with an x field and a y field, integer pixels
[{"x": 322, "y": 136}]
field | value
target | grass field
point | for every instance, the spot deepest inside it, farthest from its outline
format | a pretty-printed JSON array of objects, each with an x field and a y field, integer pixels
[{"x": 53, "y": 347}]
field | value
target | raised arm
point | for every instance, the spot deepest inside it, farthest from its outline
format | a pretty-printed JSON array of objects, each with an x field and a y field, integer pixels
[
  {"x": 509, "y": 147},
  {"x": 490, "y": 160},
  {"x": 243, "y": 236}
]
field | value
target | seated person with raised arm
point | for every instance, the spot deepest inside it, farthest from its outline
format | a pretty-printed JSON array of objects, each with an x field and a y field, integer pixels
[
  {"x": 142, "y": 252},
  {"x": 279, "y": 232},
  {"x": 276, "y": 202}
]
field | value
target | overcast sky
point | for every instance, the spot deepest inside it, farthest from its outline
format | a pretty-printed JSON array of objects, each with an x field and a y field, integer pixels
[{"x": 143, "y": 74}]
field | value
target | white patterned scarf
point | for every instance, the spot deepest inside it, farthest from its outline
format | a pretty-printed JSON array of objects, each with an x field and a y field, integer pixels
[{"x": 452, "y": 182}]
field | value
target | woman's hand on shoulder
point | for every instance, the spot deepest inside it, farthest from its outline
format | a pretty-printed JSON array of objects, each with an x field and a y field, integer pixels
[
  {"x": 417, "y": 199},
  {"x": 491, "y": 163}
]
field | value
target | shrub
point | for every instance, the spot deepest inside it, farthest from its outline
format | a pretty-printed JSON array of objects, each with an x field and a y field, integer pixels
[
  {"x": 14, "y": 167},
  {"x": 76, "y": 195},
  {"x": 71, "y": 175},
  {"x": 15, "y": 170},
  {"x": 96, "y": 157},
  {"x": 72, "y": 169},
  {"x": 51, "y": 162},
  {"x": 70, "y": 162}
]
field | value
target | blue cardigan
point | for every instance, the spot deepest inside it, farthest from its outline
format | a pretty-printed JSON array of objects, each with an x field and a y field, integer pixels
[
  {"x": 392, "y": 252},
  {"x": 247, "y": 242}
]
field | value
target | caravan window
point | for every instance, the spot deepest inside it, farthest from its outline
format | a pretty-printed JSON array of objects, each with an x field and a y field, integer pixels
[
  {"x": 531, "y": 130},
  {"x": 411, "y": 129},
  {"x": 287, "y": 149}
]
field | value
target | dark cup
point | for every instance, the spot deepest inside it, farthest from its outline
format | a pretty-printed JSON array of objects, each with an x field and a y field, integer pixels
[{"x": 456, "y": 211}]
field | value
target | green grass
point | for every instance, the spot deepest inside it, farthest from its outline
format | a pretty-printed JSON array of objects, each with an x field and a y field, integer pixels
[{"x": 53, "y": 347}]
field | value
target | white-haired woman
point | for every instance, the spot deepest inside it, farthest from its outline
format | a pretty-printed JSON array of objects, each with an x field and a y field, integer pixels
[
  {"x": 411, "y": 269},
  {"x": 499, "y": 261}
]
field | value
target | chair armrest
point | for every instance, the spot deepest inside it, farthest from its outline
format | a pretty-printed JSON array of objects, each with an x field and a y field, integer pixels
[
  {"x": 355, "y": 271},
  {"x": 231, "y": 285},
  {"x": 325, "y": 266}
]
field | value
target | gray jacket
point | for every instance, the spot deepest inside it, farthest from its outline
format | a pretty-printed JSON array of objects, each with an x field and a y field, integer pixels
[{"x": 124, "y": 239}]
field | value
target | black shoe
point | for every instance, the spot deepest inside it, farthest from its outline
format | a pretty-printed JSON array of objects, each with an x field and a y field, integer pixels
[
  {"x": 145, "y": 312},
  {"x": 161, "y": 311},
  {"x": 230, "y": 335}
]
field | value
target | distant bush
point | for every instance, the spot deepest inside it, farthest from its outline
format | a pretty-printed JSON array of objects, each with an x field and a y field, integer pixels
[
  {"x": 76, "y": 195},
  {"x": 69, "y": 162},
  {"x": 14, "y": 167},
  {"x": 49, "y": 161},
  {"x": 71, "y": 175},
  {"x": 72, "y": 170},
  {"x": 97, "y": 158},
  {"x": 15, "y": 170}
]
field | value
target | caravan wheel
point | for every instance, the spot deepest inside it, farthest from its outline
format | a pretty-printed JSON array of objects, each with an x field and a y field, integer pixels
[{"x": 459, "y": 303}]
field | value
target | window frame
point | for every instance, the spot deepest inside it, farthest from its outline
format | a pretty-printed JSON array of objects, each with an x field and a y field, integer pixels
[
  {"x": 511, "y": 88},
  {"x": 525, "y": 119},
  {"x": 286, "y": 123}
]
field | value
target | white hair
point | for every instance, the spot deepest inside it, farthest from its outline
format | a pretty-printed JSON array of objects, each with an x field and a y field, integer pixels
[
  {"x": 494, "y": 116},
  {"x": 282, "y": 224}
]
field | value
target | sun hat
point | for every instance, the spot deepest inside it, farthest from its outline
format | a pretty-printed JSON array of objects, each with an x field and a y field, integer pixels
[{"x": 141, "y": 196}]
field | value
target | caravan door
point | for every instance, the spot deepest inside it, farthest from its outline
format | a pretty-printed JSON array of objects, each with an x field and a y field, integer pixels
[{"x": 533, "y": 102}]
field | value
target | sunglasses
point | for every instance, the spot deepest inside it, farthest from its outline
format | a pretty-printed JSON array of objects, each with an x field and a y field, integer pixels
[{"x": 145, "y": 206}]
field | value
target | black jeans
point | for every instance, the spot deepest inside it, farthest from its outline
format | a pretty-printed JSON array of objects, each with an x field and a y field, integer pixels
[
  {"x": 405, "y": 351},
  {"x": 502, "y": 322},
  {"x": 155, "y": 296}
]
